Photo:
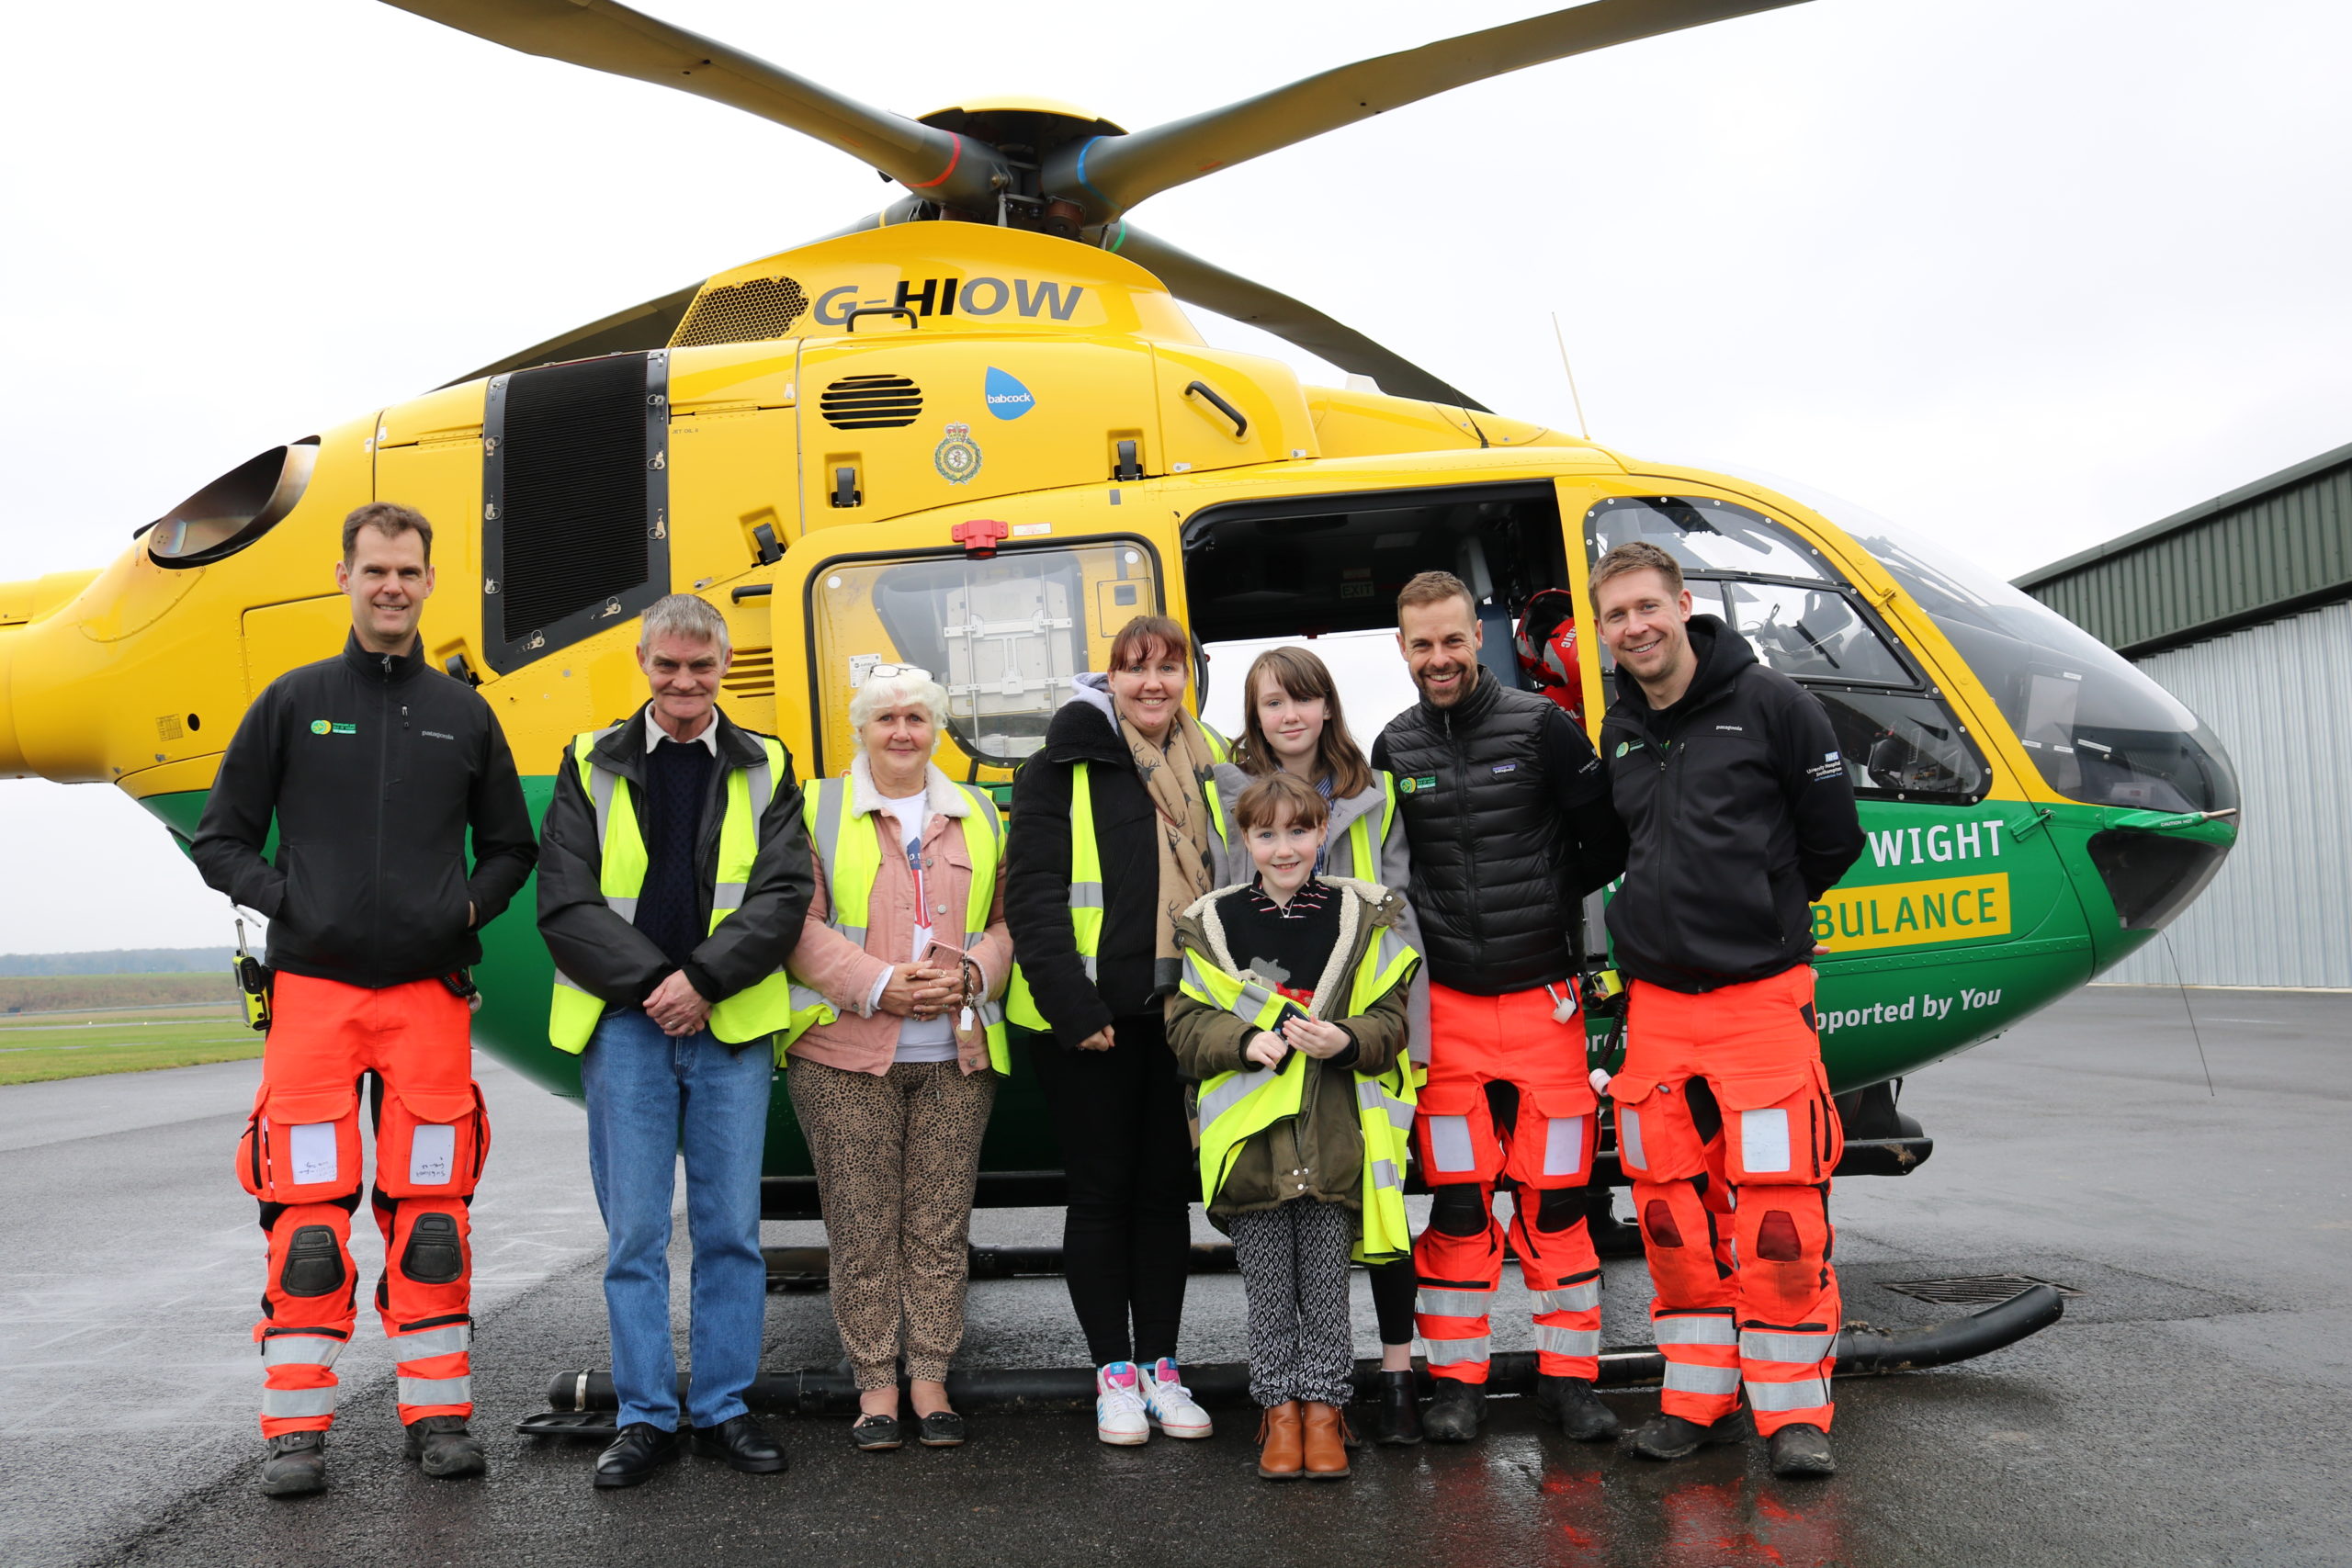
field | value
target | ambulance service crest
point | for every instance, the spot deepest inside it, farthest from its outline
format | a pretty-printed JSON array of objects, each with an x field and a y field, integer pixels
[{"x": 957, "y": 456}]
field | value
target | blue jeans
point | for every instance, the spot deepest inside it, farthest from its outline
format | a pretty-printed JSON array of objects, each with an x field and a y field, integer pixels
[{"x": 649, "y": 1098}]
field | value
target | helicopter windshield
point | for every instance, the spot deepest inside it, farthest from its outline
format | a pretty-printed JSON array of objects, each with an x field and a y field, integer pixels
[{"x": 2097, "y": 727}]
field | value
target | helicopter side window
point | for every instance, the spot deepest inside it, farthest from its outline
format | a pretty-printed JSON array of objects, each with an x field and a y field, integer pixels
[
  {"x": 1005, "y": 636},
  {"x": 1761, "y": 579},
  {"x": 234, "y": 510}
]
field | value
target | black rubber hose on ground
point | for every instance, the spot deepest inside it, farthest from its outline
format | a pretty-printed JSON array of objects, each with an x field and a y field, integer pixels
[{"x": 1861, "y": 1352}]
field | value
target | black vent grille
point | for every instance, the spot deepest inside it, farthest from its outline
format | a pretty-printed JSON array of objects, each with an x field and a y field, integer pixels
[
  {"x": 1971, "y": 1289},
  {"x": 871, "y": 402},
  {"x": 742, "y": 313},
  {"x": 574, "y": 488}
]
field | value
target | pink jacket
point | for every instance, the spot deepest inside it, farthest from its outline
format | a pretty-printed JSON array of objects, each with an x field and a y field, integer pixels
[{"x": 864, "y": 1041}]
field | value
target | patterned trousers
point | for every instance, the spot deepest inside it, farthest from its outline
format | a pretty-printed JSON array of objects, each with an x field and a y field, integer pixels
[{"x": 1295, "y": 1272}]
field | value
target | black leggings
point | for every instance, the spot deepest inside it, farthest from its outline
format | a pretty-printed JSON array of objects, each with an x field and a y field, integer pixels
[
  {"x": 1393, "y": 1287},
  {"x": 1126, "y": 1236}
]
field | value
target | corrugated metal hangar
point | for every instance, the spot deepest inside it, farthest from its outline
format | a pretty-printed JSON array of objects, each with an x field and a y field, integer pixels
[{"x": 2241, "y": 608}]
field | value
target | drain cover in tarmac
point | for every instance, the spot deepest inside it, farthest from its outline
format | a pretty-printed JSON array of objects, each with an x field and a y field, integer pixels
[{"x": 1971, "y": 1289}]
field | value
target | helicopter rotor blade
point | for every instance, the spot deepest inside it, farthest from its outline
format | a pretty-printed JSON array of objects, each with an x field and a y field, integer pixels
[
  {"x": 1105, "y": 175},
  {"x": 603, "y": 35},
  {"x": 649, "y": 326},
  {"x": 1205, "y": 284}
]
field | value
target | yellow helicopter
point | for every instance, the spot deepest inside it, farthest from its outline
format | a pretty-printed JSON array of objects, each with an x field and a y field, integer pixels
[{"x": 977, "y": 433}]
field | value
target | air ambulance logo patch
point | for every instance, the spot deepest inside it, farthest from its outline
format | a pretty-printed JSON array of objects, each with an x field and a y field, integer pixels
[{"x": 958, "y": 458}]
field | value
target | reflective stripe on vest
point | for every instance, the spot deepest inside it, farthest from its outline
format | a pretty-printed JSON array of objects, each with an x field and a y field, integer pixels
[
  {"x": 756, "y": 1010},
  {"x": 1085, "y": 902},
  {"x": 852, "y": 859},
  {"x": 1236, "y": 1105}
]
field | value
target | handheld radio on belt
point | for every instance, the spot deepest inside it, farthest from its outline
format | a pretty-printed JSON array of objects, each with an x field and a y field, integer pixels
[{"x": 252, "y": 982}]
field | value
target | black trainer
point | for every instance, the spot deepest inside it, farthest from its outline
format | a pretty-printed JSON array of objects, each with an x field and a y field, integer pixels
[
  {"x": 1454, "y": 1411},
  {"x": 443, "y": 1448},
  {"x": 1803, "y": 1450},
  {"x": 1571, "y": 1403},
  {"x": 744, "y": 1443},
  {"x": 640, "y": 1450},
  {"x": 294, "y": 1465},
  {"x": 1670, "y": 1436},
  {"x": 1397, "y": 1415}
]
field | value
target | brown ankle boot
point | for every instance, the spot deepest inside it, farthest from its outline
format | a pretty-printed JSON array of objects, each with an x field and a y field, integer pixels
[
  {"x": 1279, "y": 1455},
  {"x": 1326, "y": 1442}
]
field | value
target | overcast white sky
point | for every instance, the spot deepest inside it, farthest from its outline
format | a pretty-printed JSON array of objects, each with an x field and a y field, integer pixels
[{"x": 2021, "y": 274}]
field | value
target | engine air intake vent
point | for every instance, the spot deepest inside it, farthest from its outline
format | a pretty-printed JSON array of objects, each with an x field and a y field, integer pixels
[
  {"x": 742, "y": 313},
  {"x": 871, "y": 402}
]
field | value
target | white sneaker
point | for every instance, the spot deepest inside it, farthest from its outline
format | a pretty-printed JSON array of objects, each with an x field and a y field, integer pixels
[
  {"x": 1119, "y": 1406},
  {"x": 1169, "y": 1404}
]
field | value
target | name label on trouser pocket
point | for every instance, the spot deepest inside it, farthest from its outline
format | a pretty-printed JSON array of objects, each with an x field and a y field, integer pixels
[
  {"x": 1450, "y": 1148},
  {"x": 310, "y": 1148},
  {"x": 1564, "y": 1145},
  {"x": 1764, "y": 1140},
  {"x": 433, "y": 1149}
]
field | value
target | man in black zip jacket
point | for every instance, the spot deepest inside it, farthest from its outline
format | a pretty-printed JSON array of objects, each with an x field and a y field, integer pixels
[
  {"x": 1509, "y": 827},
  {"x": 373, "y": 768},
  {"x": 1740, "y": 813}
]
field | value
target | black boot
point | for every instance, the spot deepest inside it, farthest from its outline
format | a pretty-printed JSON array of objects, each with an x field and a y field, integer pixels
[
  {"x": 443, "y": 1448},
  {"x": 1670, "y": 1436},
  {"x": 1396, "y": 1419},
  {"x": 294, "y": 1465},
  {"x": 1571, "y": 1402},
  {"x": 1803, "y": 1450},
  {"x": 1455, "y": 1412}
]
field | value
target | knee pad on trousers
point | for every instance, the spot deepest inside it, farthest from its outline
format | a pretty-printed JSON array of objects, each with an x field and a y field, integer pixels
[
  {"x": 1558, "y": 1208},
  {"x": 314, "y": 1265},
  {"x": 1459, "y": 1209},
  {"x": 435, "y": 1255}
]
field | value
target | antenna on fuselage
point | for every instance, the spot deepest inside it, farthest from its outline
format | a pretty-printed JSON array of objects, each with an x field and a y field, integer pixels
[{"x": 1582, "y": 428}]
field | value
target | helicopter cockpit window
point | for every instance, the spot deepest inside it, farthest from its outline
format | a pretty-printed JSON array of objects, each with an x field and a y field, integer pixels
[
  {"x": 1006, "y": 636},
  {"x": 234, "y": 510},
  {"x": 1899, "y": 740},
  {"x": 2099, "y": 729}
]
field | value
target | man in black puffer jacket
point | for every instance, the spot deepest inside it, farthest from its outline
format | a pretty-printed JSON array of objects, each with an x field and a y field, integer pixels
[{"x": 1510, "y": 825}]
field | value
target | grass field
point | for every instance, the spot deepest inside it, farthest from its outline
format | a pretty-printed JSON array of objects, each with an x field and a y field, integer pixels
[{"x": 35, "y": 1046}]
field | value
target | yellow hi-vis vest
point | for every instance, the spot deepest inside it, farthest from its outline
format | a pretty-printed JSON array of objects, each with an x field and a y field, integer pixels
[
  {"x": 1357, "y": 854},
  {"x": 1085, "y": 889},
  {"x": 755, "y": 1011},
  {"x": 1236, "y": 1105},
  {"x": 852, "y": 859}
]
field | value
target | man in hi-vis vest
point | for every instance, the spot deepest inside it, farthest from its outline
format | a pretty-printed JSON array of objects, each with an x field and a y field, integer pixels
[{"x": 673, "y": 879}]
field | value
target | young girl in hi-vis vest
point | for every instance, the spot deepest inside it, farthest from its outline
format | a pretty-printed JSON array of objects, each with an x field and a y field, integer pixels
[{"x": 1292, "y": 1017}]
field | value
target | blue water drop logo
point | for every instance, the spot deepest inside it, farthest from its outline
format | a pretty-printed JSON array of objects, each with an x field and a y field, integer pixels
[{"x": 1006, "y": 397}]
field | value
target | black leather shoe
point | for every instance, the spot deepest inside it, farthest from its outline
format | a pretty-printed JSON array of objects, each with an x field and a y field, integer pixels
[
  {"x": 1397, "y": 1415},
  {"x": 1670, "y": 1436},
  {"x": 1454, "y": 1411},
  {"x": 1803, "y": 1450},
  {"x": 1570, "y": 1403},
  {"x": 637, "y": 1453},
  {"x": 743, "y": 1444}
]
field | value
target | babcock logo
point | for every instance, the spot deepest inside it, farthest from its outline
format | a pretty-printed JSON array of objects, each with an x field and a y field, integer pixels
[{"x": 1006, "y": 397}]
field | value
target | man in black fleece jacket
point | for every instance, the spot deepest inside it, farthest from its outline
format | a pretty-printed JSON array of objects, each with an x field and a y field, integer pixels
[
  {"x": 1740, "y": 813},
  {"x": 373, "y": 767}
]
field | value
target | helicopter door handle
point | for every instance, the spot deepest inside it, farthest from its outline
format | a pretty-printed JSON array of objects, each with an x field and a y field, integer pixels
[
  {"x": 850, "y": 320},
  {"x": 1208, "y": 394}
]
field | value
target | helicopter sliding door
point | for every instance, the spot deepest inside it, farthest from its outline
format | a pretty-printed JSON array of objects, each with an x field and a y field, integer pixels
[{"x": 1958, "y": 900}]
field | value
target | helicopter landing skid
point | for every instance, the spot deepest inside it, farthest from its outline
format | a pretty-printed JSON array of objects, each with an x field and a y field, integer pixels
[{"x": 582, "y": 1404}]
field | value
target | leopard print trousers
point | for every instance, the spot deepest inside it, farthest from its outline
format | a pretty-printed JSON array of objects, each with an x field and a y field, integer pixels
[{"x": 897, "y": 1158}]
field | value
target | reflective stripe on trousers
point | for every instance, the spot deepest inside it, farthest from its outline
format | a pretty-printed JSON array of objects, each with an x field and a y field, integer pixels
[
  {"x": 1704, "y": 1328},
  {"x": 1806, "y": 1394},
  {"x": 1568, "y": 1342},
  {"x": 1454, "y": 1303},
  {"x": 1800, "y": 1349},
  {"x": 1568, "y": 1298},
  {"x": 1453, "y": 1352},
  {"x": 1687, "y": 1377},
  {"x": 436, "y": 1390},
  {"x": 300, "y": 1349},
  {"x": 283, "y": 1403},
  {"x": 441, "y": 1341}
]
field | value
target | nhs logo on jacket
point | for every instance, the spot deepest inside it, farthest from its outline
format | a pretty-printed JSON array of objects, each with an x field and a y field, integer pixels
[{"x": 1006, "y": 397}]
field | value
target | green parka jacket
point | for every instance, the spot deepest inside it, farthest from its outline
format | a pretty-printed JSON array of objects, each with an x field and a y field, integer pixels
[{"x": 1326, "y": 1141}]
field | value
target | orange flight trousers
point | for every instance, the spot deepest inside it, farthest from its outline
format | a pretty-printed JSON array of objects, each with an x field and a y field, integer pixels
[
  {"x": 300, "y": 1157},
  {"x": 1725, "y": 1123},
  {"x": 1516, "y": 1039}
]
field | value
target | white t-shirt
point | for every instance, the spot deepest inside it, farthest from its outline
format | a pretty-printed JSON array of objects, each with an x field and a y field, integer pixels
[{"x": 921, "y": 1039}]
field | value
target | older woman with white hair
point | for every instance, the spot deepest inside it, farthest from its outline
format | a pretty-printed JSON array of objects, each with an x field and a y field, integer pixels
[{"x": 900, "y": 961}]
